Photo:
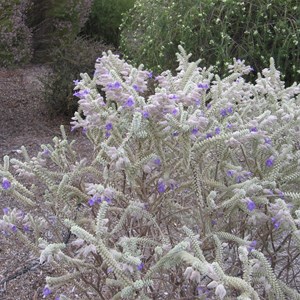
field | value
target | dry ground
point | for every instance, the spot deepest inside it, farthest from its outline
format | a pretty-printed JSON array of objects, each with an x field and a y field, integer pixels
[{"x": 23, "y": 121}]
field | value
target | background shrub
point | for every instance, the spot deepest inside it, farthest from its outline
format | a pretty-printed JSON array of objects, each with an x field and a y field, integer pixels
[
  {"x": 55, "y": 24},
  {"x": 105, "y": 19},
  {"x": 15, "y": 36},
  {"x": 67, "y": 63},
  {"x": 214, "y": 31}
]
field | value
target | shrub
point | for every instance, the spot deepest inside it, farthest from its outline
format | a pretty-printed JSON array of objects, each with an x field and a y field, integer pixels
[
  {"x": 67, "y": 63},
  {"x": 216, "y": 31},
  {"x": 189, "y": 191},
  {"x": 56, "y": 23},
  {"x": 105, "y": 20},
  {"x": 15, "y": 36}
]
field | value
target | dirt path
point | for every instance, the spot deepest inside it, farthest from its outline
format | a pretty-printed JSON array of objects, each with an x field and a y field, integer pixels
[{"x": 23, "y": 121}]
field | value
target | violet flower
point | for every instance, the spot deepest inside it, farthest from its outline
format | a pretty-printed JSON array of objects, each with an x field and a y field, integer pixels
[
  {"x": 230, "y": 173},
  {"x": 14, "y": 228},
  {"x": 130, "y": 102},
  {"x": 108, "y": 126},
  {"x": 251, "y": 205},
  {"x": 203, "y": 86},
  {"x": 91, "y": 201},
  {"x": 195, "y": 130},
  {"x": 252, "y": 246},
  {"x": 223, "y": 112},
  {"x": 136, "y": 88},
  {"x": 46, "y": 291},
  {"x": 217, "y": 130},
  {"x": 269, "y": 162},
  {"x": 157, "y": 161},
  {"x": 6, "y": 184},
  {"x": 161, "y": 187},
  {"x": 275, "y": 222},
  {"x": 145, "y": 114},
  {"x": 140, "y": 267}
]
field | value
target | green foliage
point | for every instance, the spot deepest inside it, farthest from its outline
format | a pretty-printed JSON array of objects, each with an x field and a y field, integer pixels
[
  {"x": 67, "y": 63},
  {"x": 56, "y": 23},
  {"x": 215, "y": 31},
  {"x": 15, "y": 36},
  {"x": 105, "y": 20}
]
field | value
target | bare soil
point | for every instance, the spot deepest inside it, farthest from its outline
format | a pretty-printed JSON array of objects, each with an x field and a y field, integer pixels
[{"x": 24, "y": 120}]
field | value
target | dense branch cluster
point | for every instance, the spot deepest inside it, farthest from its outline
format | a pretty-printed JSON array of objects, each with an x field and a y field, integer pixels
[{"x": 189, "y": 189}]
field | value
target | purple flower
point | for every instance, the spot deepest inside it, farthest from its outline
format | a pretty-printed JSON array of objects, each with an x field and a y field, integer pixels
[
  {"x": 223, "y": 112},
  {"x": 108, "y": 126},
  {"x": 173, "y": 96},
  {"x": 251, "y": 205},
  {"x": 253, "y": 129},
  {"x": 213, "y": 222},
  {"x": 175, "y": 133},
  {"x": 84, "y": 130},
  {"x": 107, "y": 134},
  {"x": 209, "y": 135},
  {"x": 46, "y": 291},
  {"x": 97, "y": 199},
  {"x": 208, "y": 106},
  {"x": 114, "y": 86},
  {"x": 130, "y": 102},
  {"x": 218, "y": 130},
  {"x": 269, "y": 162},
  {"x": 80, "y": 94},
  {"x": 91, "y": 201},
  {"x": 46, "y": 152},
  {"x": 175, "y": 111},
  {"x": 229, "y": 125},
  {"x": 150, "y": 74},
  {"x": 76, "y": 81},
  {"x": 195, "y": 130},
  {"x": 136, "y": 87},
  {"x": 230, "y": 173},
  {"x": 161, "y": 187},
  {"x": 14, "y": 228},
  {"x": 6, "y": 184},
  {"x": 6, "y": 210},
  {"x": 268, "y": 141},
  {"x": 26, "y": 228},
  {"x": 276, "y": 224},
  {"x": 145, "y": 114},
  {"x": 198, "y": 102},
  {"x": 229, "y": 110},
  {"x": 203, "y": 85},
  {"x": 239, "y": 178},
  {"x": 117, "y": 85},
  {"x": 107, "y": 199},
  {"x": 140, "y": 267},
  {"x": 157, "y": 161},
  {"x": 252, "y": 246}
]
